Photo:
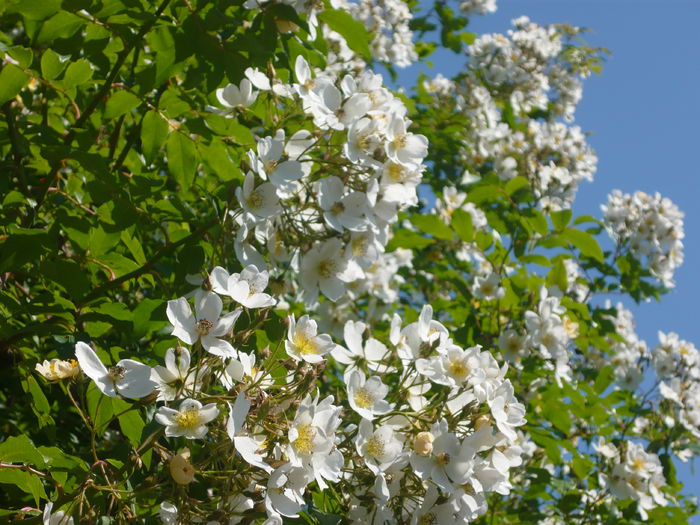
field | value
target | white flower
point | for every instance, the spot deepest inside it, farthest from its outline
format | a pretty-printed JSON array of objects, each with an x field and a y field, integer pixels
[
  {"x": 312, "y": 440},
  {"x": 248, "y": 447},
  {"x": 373, "y": 351},
  {"x": 204, "y": 325},
  {"x": 245, "y": 288},
  {"x": 324, "y": 266},
  {"x": 233, "y": 96},
  {"x": 268, "y": 162},
  {"x": 262, "y": 202},
  {"x": 342, "y": 212},
  {"x": 452, "y": 367},
  {"x": 366, "y": 396},
  {"x": 506, "y": 410},
  {"x": 258, "y": 79},
  {"x": 190, "y": 420},
  {"x": 380, "y": 448},
  {"x": 175, "y": 376},
  {"x": 57, "y": 369},
  {"x": 488, "y": 287},
  {"x": 127, "y": 378},
  {"x": 285, "y": 490},
  {"x": 56, "y": 518},
  {"x": 448, "y": 462},
  {"x": 405, "y": 148},
  {"x": 243, "y": 369},
  {"x": 168, "y": 513},
  {"x": 303, "y": 341}
]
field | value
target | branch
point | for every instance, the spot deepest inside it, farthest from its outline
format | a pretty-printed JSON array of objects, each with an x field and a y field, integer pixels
[{"x": 165, "y": 250}]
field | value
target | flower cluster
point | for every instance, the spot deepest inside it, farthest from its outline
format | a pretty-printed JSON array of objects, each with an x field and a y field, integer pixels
[
  {"x": 332, "y": 194},
  {"x": 637, "y": 475},
  {"x": 650, "y": 227},
  {"x": 677, "y": 365}
]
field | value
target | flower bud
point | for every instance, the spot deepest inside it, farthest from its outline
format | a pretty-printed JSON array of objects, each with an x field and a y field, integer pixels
[
  {"x": 423, "y": 444},
  {"x": 181, "y": 469}
]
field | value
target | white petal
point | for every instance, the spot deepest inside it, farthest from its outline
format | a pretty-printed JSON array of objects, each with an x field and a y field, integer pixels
[
  {"x": 208, "y": 306},
  {"x": 89, "y": 362},
  {"x": 180, "y": 316}
]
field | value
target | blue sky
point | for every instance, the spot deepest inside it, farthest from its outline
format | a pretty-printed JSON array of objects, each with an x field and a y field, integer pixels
[{"x": 644, "y": 115}]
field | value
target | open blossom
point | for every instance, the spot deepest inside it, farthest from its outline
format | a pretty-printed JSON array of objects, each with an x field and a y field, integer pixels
[
  {"x": 341, "y": 211},
  {"x": 246, "y": 288},
  {"x": 175, "y": 376},
  {"x": 312, "y": 440},
  {"x": 128, "y": 378},
  {"x": 303, "y": 341},
  {"x": 205, "y": 324},
  {"x": 380, "y": 447},
  {"x": 372, "y": 351},
  {"x": 57, "y": 369},
  {"x": 190, "y": 420},
  {"x": 366, "y": 395},
  {"x": 233, "y": 96},
  {"x": 324, "y": 267},
  {"x": 261, "y": 201},
  {"x": 250, "y": 448},
  {"x": 55, "y": 518}
]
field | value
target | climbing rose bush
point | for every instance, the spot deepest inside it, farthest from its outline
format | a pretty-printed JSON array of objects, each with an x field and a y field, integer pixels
[{"x": 245, "y": 277}]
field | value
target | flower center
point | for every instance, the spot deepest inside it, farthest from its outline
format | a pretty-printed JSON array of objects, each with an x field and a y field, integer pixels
[
  {"x": 359, "y": 246},
  {"x": 337, "y": 208},
  {"x": 255, "y": 200},
  {"x": 363, "y": 398},
  {"x": 188, "y": 418},
  {"x": 270, "y": 166},
  {"x": 458, "y": 368},
  {"x": 305, "y": 344},
  {"x": 443, "y": 459},
  {"x": 396, "y": 172},
  {"x": 203, "y": 326},
  {"x": 326, "y": 268},
  {"x": 427, "y": 519},
  {"x": 116, "y": 373},
  {"x": 375, "y": 447},
  {"x": 399, "y": 141},
  {"x": 305, "y": 442}
]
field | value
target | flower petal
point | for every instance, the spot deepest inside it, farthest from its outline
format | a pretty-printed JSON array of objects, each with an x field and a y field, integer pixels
[{"x": 180, "y": 316}]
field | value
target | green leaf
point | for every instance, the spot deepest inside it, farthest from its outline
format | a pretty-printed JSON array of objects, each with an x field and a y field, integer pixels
[
  {"x": 515, "y": 184},
  {"x": 34, "y": 9},
  {"x": 557, "y": 276},
  {"x": 22, "y": 55},
  {"x": 61, "y": 25},
  {"x": 77, "y": 73},
  {"x": 12, "y": 80},
  {"x": 118, "y": 311},
  {"x": 433, "y": 225},
  {"x": 585, "y": 242},
  {"x": 99, "y": 408},
  {"x": 561, "y": 219},
  {"x": 351, "y": 30},
  {"x": 52, "y": 64},
  {"x": 154, "y": 132},
  {"x": 23, "y": 246},
  {"x": 182, "y": 159},
  {"x": 121, "y": 103},
  {"x": 40, "y": 405},
  {"x": 132, "y": 426},
  {"x": 462, "y": 225},
  {"x": 408, "y": 239},
  {"x": 606, "y": 375},
  {"x": 19, "y": 449},
  {"x": 24, "y": 481}
]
